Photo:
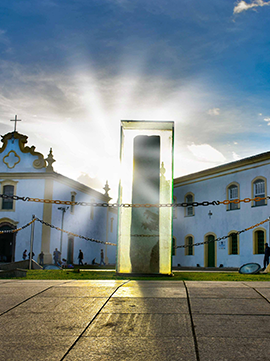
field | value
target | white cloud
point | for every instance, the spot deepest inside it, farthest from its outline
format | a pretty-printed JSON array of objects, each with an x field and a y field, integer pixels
[
  {"x": 235, "y": 143},
  {"x": 267, "y": 119},
  {"x": 243, "y": 5},
  {"x": 214, "y": 111},
  {"x": 207, "y": 153},
  {"x": 235, "y": 156}
]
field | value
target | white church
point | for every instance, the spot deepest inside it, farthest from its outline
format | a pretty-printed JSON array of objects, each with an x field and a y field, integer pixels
[{"x": 25, "y": 172}]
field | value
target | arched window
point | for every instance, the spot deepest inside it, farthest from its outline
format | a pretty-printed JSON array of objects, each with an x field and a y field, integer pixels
[
  {"x": 189, "y": 249},
  {"x": 232, "y": 194},
  {"x": 233, "y": 243},
  {"x": 189, "y": 210},
  {"x": 72, "y": 199},
  {"x": 8, "y": 188},
  {"x": 259, "y": 190},
  {"x": 259, "y": 237}
]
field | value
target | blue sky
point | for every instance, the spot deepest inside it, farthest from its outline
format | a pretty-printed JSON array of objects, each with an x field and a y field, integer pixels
[{"x": 73, "y": 69}]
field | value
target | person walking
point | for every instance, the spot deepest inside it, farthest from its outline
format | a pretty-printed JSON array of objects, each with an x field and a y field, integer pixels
[
  {"x": 102, "y": 257},
  {"x": 55, "y": 256},
  {"x": 80, "y": 257},
  {"x": 266, "y": 256},
  {"x": 41, "y": 258},
  {"x": 24, "y": 255}
]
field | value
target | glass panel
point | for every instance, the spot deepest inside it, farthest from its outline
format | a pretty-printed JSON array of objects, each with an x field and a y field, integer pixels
[
  {"x": 233, "y": 194},
  {"x": 145, "y": 233},
  {"x": 260, "y": 240},
  {"x": 8, "y": 203},
  {"x": 189, "y": 199},
  {"x": 259, "y": 191},
  {"x": 190, "y": 248},
  {"x": 234, "y": 243}
]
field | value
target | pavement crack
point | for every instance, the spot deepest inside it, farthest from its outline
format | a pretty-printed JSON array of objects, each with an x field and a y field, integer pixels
[
  {"x": 92, "y": 320},
  {"x": 192, "y": 325}
]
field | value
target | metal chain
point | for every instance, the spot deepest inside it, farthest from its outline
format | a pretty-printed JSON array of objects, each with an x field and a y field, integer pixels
[
  {"x": 74, "y": 234},
  {"x": 224, "y": 237},
  {"x": 17, "y": 229},
  {"x": 135, "y": 205}
]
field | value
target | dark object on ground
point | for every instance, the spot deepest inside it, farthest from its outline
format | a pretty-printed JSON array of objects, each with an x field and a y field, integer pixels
[
  {"x": 17, "y": 272},
  {"x": 250, "y": 268},
  {"x": 221, "y": 265},
  {"x": 51, "y": 266}
]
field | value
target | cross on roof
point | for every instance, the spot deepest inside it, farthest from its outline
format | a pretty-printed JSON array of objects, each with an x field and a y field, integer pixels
[{"x": 15, "y": 120}]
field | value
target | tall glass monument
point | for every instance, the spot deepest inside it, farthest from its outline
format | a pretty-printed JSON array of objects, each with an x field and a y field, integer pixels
[{"x": 145, "y": 232}]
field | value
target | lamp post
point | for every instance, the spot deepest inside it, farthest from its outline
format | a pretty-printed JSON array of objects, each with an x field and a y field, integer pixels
[{"x": 63, "y": 209}]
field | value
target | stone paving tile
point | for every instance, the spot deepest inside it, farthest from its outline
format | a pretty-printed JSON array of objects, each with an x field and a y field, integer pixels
[
  {"x": 223, "y": 292},
  {"x": 93, "y": 283},
  {"x": 14, "y": 323},
  {"x": 140, "y": 325},
  {"x": 84, "y": 291},
  {"x": 215, "y": 284},
  {"x": 233, "y": 349},
  {"x": 155, "y": 284},
  {"x": 232, "y": 325},
  {"x": 146, "y": 305},
  {"x": 159, "y": 292},
  {"x": 264, "y": 291},
  {"x": 264, "y": 284},
  {"x": 132, "y": 348},
  {"x": 7, "y": 302},
  {"x": 230, "y": 306},
  {"x": 60, "y": 305},
  {"x": 50, "y": 347}
]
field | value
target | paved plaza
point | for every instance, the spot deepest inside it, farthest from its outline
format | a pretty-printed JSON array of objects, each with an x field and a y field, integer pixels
[{"x": 134, "y": 320}]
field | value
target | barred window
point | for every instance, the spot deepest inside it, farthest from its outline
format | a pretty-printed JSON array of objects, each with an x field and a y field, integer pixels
[
  {"x": 190, "y": 209},
  {"x": 259, "y": 191},
  {"x": 189, "y": 246},
  {"x": 259, "y": 242},
  {"x": 233, "y": 194},
  {"x": 233, "y": 243}
]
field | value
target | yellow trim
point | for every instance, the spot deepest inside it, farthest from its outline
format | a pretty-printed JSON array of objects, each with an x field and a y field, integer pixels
[
  {"x": 37, "y": 163},
  {"x": 186, "y": 244},
  {"x": 193, "y": 200},
  {"x": 47, "y": 217},
  {"x": 238, "y": 194},
  {"x": 252, "y": 188},
  {"x": 190, "y": 179},
  {"x": 7, "y": 183},
  {"x": 8, "y": 220},
  {"x": 255, "y": 240},
  {"x": 206, "y": 249},
  {"x": 59, "y": 178},
  {"x": 6, "y": 156},
  {"x": 230, "y": 243}
]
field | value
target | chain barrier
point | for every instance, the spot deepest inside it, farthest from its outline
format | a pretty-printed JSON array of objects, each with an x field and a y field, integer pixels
[
  {"x": 58, "y": 229},
  {"x": 15, "y": 230},
  {"x": 135, "y": 205},
  {"x": 74, "y": 234},
  {"x": 224, "y": 237}
]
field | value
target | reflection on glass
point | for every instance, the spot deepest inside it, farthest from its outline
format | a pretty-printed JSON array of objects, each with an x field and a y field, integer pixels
[{"x": 145, "y": 233}]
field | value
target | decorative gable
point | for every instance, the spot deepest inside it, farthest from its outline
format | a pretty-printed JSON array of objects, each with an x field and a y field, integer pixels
[{"x": 16, "y": 157}]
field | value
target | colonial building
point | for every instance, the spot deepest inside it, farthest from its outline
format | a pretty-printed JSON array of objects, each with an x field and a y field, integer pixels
[
  {"x": 25, "y": 172},
  {"x": 246, "y": 178}
]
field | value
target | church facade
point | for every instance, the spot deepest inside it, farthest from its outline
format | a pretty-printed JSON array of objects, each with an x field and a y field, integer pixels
[
  {"x": 243, "y": 179},
  {"x": 25, "y": 172}
]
